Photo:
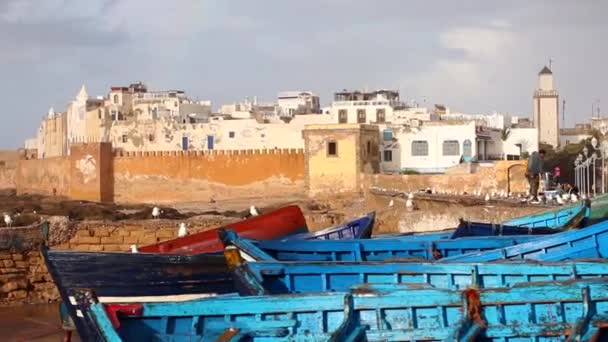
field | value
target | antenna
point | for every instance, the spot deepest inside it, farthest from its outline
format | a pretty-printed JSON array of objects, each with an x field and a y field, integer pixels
[
  {"x": 550, "y": 63},
  {"x": 564, "y": 113}
]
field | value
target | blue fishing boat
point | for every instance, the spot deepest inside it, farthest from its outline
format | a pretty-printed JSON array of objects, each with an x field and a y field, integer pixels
[
  {"x": 360, "y": 228},
  {"x": 423, "y": 236},
  {"x": 257, "y": 278},
  {"x": 591, "y": 242},
  {"x": 364, "y": 250},
  {"x": 552, "y": 311},
  {"x": 569, "y": 217},
  {"x": 468, "y": 228},
  {"x": 123, "y": 276}
]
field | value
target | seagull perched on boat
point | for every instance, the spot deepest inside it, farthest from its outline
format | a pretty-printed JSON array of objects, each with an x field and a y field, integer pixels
[
  {"x": 134, "y": 249},
  {"x": 391, "y": 203},
  {"x": 487, "y": 199},
  {"x": 560, "y": 200},
  {"x": 253, "y": 211},
  {"x": 8, "y": 220},
  {"x": 155, "y": 212},
  {"x": 410, "y": 196},
  {"x": 182, "y": 230},
  {"x": 573, "y": 198}
]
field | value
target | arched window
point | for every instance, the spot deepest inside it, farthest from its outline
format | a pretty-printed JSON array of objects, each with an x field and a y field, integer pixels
[
  {"x": 467, "y": 148},
  {"x": 115, "y": 98},
  {"x": 451, "y": 148}
]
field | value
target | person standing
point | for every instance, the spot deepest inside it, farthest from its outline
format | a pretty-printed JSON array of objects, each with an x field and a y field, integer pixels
[
  {"x": 534, "y": 171},
  {"x": 557, "y": 172}
]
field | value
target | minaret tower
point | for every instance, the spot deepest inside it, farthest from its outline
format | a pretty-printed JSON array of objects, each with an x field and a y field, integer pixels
[{"x": 546, "y": 109}]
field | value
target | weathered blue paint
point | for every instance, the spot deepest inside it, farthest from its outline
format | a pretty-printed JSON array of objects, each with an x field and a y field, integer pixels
[
  {"x": 366, "y": 250},
  {"x": 467, "y": 228},
  {"x": 257, "y": 278},
  {"x": 590, "y": 242},
  {"x": 569, "y": 217},
  {"x": 425, "y": 236},
  {"x": 360, "y": 228},
  {"x": 550, "y": 311}
]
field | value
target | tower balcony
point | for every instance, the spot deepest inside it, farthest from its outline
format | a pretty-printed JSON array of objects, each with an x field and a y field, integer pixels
[{"x": 546, "y": 93}]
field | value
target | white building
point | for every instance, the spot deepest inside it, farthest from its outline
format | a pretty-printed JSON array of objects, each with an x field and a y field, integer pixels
[
  {"x": 494, "y": 120},
  {"x": 365, "y": 107},
  {"x": 290, "y": 103},
  {"x": 217, "y": 134},
  {"x": 434, "y": 146},
  {"x": 575, "y": 135}
]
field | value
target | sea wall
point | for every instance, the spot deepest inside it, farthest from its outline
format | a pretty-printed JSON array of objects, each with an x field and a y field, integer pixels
[{"x": 507, "y": 176}]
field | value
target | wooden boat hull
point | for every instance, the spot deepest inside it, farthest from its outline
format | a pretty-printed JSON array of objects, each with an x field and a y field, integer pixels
[
  {"x": 591, "y": 242},
  {"x": 360, "y": 228},
  {"x": 365, "y": 250},
  {"x": 569, "y": 217},
  {"x": 259, "y": 278},
  {"x": 530, "y": 312},
  {"x": 117, "y": 276},
  {"x": 270, "y": 225}
]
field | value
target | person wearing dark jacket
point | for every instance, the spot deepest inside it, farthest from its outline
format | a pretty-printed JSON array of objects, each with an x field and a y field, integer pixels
[{"x": 534, "y": 171}]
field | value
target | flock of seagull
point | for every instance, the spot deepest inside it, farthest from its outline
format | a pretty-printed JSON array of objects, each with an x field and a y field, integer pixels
[{"x": 562, "y": 199}]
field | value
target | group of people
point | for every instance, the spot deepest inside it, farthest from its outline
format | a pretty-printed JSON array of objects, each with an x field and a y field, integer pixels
[{"x": 534, "y": 173}]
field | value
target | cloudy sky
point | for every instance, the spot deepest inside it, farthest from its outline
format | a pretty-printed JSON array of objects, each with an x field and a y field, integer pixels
[{"x": 475, "y": 56}]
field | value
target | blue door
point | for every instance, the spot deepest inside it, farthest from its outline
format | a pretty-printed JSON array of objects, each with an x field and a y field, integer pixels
[
  {"x": 185, "y": 143},
  {"x": 210, "y": 142}
]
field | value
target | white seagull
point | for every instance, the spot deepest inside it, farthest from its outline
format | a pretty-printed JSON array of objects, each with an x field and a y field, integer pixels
[
  {"x": 487, "y": 198},
  {"x": 8, "y": 220},
  {"x": 391, "y": 203},
  {"x": 134, "y": 249},
  {"x": 183, "y": 231},
  {"x": 253, "y": 211},
  {"x": 155, "y": 212}
]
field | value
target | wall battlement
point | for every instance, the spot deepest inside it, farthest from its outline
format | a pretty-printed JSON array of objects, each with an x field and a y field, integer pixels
[{"x": 276, "y": 151}]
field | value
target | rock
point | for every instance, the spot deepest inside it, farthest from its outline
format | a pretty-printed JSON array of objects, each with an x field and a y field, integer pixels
[
  {"x": 20, "y": 294},
  {"x": 10, "y": 286}
]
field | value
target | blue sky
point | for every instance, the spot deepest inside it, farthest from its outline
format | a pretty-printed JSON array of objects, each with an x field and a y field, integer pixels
[{"x": 475, "y": 56}]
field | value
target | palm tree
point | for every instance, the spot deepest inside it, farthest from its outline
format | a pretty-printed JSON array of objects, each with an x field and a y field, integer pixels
[{"x": 504, "y": 134}]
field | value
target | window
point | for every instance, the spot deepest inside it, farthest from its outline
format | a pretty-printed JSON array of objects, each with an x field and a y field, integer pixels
[
  {"x": 467, "y": 148},
  {"x": 125, "y": 138},
  {"x": 151, "y": 137},
  {"x": 360, "y": 115},
  {"x": 388, "y": 155},
  {"x": 380, "y": 115},
  {"x": 175, "y": 104},
  {"x": 369, "y": 148},
  {"x": 451, "y": 148},
  {"x": 99, "y": 114},
  {"x": 115, "y": 98},
  {"x": 113, "y": 115},
  {"x": 230, "y": 134},
  {"x": 332, "y": 149},
  {"x": 420, "y": 148},
  {"x": 342, "y": 116},
  {"x": 387, "y": 135}
]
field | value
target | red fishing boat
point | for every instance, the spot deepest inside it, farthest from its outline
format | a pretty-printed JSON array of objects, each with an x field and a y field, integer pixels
[{"x": 271, "y": 225}]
